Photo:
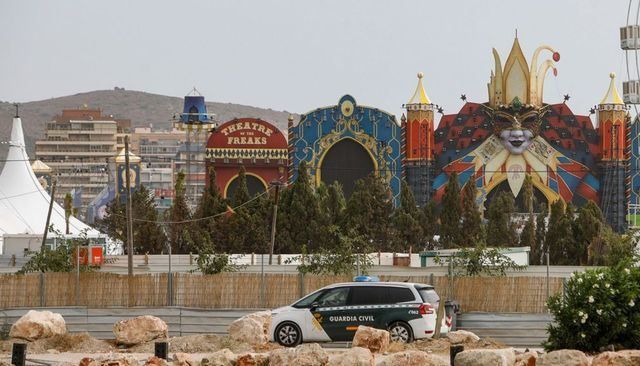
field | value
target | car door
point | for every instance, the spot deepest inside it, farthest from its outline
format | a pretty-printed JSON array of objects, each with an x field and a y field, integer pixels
[
  {"x": 366, "y": 303},
  {"x": 331, "y": 314}
]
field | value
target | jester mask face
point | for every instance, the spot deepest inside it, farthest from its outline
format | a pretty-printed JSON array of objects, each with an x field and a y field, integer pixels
[{"x": 516, "y": 129}]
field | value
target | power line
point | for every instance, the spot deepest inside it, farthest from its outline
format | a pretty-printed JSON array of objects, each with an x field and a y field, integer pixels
[{"x": 201, "y": 218}]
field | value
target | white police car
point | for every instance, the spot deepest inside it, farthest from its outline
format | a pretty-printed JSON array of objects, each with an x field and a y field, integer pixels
[{"x": 333, "y": 313}]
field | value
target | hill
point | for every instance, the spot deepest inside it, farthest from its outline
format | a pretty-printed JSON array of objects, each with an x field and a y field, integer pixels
[{"x": 140, "y": 107}]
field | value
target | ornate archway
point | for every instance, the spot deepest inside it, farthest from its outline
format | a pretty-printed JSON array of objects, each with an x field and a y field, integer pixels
[{"x": 346, "y": 161}]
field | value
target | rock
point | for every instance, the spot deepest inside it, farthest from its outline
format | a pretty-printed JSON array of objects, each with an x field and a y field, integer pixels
[
  {"x": 183, "y": 359},
  {"x": 224, "y": 357},
  {"x": 376, "y": 340},
  {"x": 247, "y": 330},
  {"x": 526, "y": 359},
  {"x": 485, "y": 357},
  {"x": 462, "y": 336},
  {"x": 114, "y": 360},
  {"x": 305, "y": 355},
  {"x": 413, "y": 358},
  {"x": 139, "y": 330},
  {"x": 253, "y": 359},
  {"x": 53, "y": 351},
  {"x": 633, "y": 354},
  {"x": 263, "y": 317},
  {"x": 356, "y": 356},
  {"x": 38, "y": 324},
  {"x": 616, "y": 359},
  {"x": 86, "y": 361},
  {"x": 563, "y": 357},
  {"x": 155, "y": 361}
]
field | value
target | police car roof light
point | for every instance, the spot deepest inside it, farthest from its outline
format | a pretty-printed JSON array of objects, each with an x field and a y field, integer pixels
[{"x": 366, "y": 279}]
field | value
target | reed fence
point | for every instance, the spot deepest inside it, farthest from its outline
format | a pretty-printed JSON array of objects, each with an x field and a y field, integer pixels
[{"x": 251, "y": 290}]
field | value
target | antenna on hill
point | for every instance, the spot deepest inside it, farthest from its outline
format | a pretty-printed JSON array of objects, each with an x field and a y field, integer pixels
[{"x": 17, "y": 109}]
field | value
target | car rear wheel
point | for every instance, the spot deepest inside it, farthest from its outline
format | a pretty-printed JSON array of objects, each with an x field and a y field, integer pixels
[
  {"x": 288, "y": 334},
  {"x": 400, "y": 332}
]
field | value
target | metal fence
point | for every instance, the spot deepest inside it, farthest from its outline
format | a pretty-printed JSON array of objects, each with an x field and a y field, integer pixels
[{"x": 251, "y": 290}]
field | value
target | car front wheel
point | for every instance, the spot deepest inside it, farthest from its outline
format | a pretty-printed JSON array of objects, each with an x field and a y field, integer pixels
[
  {"x": 288, "y": 334},
  {"x": 400, "y": 332}
]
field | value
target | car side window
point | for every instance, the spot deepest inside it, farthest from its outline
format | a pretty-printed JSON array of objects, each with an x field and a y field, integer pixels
[
  {"x": 334, "y": 297},
  {"x": 400, "y": 294},
  {"x": 368, "y": 295}
]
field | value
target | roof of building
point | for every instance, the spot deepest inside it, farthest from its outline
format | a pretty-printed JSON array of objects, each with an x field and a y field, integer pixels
[
  {"x": 420, "y": 96},
  {"x": 612, "y": 96},
  {"x": 23, "y": 202}
]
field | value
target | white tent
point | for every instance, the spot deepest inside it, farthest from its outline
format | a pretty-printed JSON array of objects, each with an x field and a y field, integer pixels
[{"x": 24, "y": 203}]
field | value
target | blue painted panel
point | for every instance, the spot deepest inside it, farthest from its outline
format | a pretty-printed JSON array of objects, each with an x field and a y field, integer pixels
[{"x": 376, "y": 130}]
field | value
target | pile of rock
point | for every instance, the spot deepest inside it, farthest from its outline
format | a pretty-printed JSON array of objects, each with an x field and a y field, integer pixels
[
  {"x": 36, "y": 325},
  {"x": 252, "y": 328},
  {"x": 140, "y": 330}
]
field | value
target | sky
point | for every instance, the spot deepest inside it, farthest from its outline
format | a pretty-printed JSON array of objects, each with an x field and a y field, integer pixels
[{"x": 298, "y": 55}]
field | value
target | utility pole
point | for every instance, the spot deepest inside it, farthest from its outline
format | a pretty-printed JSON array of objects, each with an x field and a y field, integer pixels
[
  {"x": 277, "y": 184},
  {"x": 44, "y": 236},
  {"x": 46, "y": 226},
  {"x": 129, "y": 213}
]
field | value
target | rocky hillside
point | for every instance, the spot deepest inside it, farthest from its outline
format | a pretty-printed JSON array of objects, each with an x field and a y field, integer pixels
[{"x": 142, "y": 108}]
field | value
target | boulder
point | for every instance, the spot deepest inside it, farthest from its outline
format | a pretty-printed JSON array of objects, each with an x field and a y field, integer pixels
[
  {"x": 224, "y": 357},
  {"x": 140, "y": 329},
  {"x": 633, "y": 354},
  {"x": 86, "y": 361},
  {"x": 526, "y": 359},
  {"x": 413, "y": 358},
  {"x": 155, "y": 361},
  {"x": 462, "y": 336},
  {"x": 356, "y": 356},
  {"x": 376, "y": 340},
  {"x": 485, "y": 357},
  {"x": 183, "y": 359},
  {"x": 114, "y": 360},
  {"x": 38, "y": 324},
  {"x": 252, "y": 359},
  {"x": 305, "y": 355},
  {"x": 563, "y": 357},
  {"x": 264, "y": 317},
  {"x": 248, "y": 330},
  {"x": 615, "y": 359}
]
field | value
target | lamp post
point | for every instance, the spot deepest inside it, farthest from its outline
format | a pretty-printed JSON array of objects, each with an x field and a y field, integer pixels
[{"x": 277, "y": 184}]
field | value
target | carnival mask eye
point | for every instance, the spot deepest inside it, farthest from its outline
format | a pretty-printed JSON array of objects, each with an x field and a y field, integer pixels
[{"x": 531, "y": 123}]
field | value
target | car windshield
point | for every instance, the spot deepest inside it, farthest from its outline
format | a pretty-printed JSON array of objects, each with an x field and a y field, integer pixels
[
  {"x": 306, "y": 301},
  {"x": 429, "y": 296}
]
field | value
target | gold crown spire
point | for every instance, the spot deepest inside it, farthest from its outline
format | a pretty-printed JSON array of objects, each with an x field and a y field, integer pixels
[
  {"x": 517, "y": 79},
  {"x": 420, "y": 96},
  {"x": 612, "y": 96}
]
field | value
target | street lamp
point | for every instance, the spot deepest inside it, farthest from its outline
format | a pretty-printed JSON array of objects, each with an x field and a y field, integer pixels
[{"x": 277, "y": 184}]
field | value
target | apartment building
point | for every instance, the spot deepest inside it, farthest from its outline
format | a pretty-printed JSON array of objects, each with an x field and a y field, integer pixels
[{"x": 77, "y": 147}]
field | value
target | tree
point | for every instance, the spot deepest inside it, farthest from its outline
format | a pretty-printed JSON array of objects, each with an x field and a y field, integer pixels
[
  {"x": 587, "y": 226},
  {"x": 500, "y": 229},
  {"x": 68, "y": 210},
  {"x": 528, "y": 234},
  {"x": 559, "y": 234},
  {"x": 299, "y": 217},
  {"x": 148, "y": 236},
  {"x": 180, "y": 237},
  {"x": 451, "y": 214},
  {"x": 471, "y": 234},
  {"x": 61, "y": 259},
  {"x": 369, "y": 211},
  {"x": 429, "y": 222},
  {"x": 541, "y": 232},
  {"x": 333, "y": 204},
  {"x": 406, "y": 220},
  {"x": 241, "y": 194},
  {"x": 480, "y": 261},
  {"x": 343, "y": 259}
]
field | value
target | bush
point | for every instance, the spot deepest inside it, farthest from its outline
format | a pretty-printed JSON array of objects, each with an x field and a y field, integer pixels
[{"x": 599, "y": 308}]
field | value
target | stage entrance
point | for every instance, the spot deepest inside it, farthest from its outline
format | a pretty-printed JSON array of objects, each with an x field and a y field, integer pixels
[{"x": 346, "y": 162}]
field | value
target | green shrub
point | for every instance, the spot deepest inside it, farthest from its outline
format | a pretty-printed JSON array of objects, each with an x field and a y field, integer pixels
[{"x": 600, "y": 307}]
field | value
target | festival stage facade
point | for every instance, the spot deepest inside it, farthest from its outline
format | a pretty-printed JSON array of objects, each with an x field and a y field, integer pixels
[{"x": 493, "y": 144}]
